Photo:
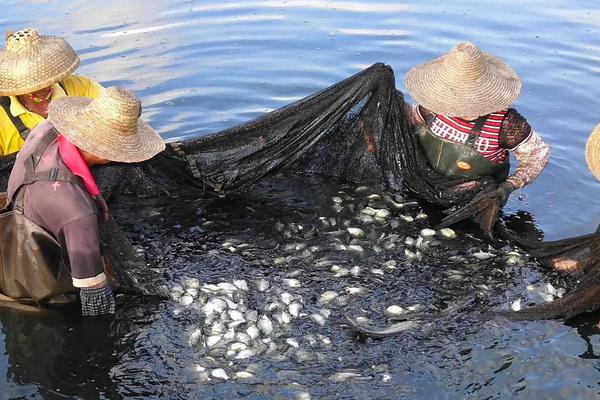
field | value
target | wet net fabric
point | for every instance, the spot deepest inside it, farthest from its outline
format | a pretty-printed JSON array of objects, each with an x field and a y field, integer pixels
[
  {"x": 355, "y": 130},
  {"x": 577, "y": 255}
]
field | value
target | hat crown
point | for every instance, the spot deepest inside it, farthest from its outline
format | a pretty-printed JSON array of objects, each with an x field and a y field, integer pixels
[
  {"x": 21, "y": 40},
  {"x": 108, "y": 126},
  {"x": 463, "y": 82},
  {"x": 465, "y": 61},
  {"x": 119, "y": 107},
  {"x": 31, "y": 62}
]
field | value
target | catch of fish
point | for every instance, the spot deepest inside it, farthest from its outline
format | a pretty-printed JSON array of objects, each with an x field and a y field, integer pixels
[{"x": 360, "y": 239}]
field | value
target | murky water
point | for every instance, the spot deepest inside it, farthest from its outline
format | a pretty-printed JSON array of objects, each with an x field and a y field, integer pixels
[{"x": 203, "y": 66}]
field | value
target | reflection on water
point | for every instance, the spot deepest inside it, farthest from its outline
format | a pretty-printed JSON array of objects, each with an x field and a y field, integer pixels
[
  {"x": 204, "y": 66},
  {"x": 55, "y": 353}
]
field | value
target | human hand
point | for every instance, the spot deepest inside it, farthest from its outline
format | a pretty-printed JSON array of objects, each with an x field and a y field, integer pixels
[
  {"x": 102, "y": 207},
  {"x": 503, "y": 191}
]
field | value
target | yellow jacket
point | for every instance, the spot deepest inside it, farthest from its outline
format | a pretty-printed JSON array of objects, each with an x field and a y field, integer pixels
[{"x": 10, "y": 139}]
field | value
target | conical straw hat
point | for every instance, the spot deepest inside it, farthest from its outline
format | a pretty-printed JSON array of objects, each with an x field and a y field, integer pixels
[
  {"x": 31, "y": 62},
  {"x": 108, "y": 126},
  {"x": 592, "y": 152},
  {"x": 464, "y": 83}
]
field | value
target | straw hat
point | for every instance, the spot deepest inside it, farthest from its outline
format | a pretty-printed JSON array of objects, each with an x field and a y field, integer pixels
[
  {"x": 464, "y": 83},
  {"x": 108, "y": 126},
  {"x": 592, "y": 152},
  {"x": 31, "y": 62}
]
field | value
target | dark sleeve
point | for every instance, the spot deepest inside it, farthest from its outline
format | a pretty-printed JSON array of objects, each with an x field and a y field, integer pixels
[
  {"x": 80, "y": 238},
  {"x": 514, "y": 130}
]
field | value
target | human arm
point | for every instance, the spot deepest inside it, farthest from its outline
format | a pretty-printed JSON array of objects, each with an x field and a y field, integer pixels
[
  {"x": 526, "y": 145},
  {"x": 80, "y": 238}
]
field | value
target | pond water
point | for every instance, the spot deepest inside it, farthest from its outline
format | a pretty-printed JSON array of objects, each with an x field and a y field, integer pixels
[{"x": 202, "y": 66}]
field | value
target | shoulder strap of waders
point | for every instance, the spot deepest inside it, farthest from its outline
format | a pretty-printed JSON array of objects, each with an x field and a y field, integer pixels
[
  {"x": 476, "y": 131},
  {"x": 53, "y": 174},
  {"x": 16, "y": 121},
  {"x": 429, "y": 116}
]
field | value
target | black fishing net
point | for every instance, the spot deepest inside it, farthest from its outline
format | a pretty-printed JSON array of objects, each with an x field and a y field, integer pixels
[
  {"x": 579, "y": 256},
  {"x": 357, "y": 130}
]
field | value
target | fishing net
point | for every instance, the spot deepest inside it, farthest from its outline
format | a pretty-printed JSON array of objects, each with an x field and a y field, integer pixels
[
  {"x": 579, "y": 256},
  {"x": 357, "y": 130}
]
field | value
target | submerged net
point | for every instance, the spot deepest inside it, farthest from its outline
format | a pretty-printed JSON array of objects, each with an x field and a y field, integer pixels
[
  {"x": 126, "y": 268},
  {"x": 578, "y": 255}
]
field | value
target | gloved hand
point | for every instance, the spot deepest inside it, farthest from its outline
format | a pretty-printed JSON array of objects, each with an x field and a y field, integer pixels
[
  {"x": 503, "y": 191},
  {"x": 97, "y": 301}
]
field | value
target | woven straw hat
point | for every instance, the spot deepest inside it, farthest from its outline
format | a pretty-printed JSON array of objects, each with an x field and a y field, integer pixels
[
  {"x": 108, "y": 126},
  {"x": 592, "y": 152},
  {"x": 31, "y": 62},
  {"x": 464, "y": 83}
]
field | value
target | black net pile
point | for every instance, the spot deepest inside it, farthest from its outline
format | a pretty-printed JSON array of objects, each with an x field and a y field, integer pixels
[{"x": 356, "y": 130}]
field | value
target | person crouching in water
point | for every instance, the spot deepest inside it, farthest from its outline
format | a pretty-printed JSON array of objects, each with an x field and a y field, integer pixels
[
  {"x": 464, "y": 123},
  {"x": 51, "y": 187}
]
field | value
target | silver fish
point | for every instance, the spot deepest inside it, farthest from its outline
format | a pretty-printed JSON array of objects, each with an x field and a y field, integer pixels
[{"x": 390, "y": 330}]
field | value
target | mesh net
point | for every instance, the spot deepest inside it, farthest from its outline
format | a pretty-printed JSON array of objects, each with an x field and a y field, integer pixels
[
  {"x": 577, "y": 255},
  {"x": 356, "y": 130}
]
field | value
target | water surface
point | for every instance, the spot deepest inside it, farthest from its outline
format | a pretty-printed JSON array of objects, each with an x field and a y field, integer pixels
[{"x": 202, "y": 66}]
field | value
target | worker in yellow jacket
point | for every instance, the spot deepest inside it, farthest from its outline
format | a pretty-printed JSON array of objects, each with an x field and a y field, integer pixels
[{"x": 34, "y": 70}]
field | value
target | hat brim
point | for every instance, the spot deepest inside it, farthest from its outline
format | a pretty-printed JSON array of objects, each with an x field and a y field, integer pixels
[
  {"x": 435, "y": 89},
  {"x": 87, "y": 132},
  {"x": 592, "y": 152},
  {"x": 48, "y": 62}
]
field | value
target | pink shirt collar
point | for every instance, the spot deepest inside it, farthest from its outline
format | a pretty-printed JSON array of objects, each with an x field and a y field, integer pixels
[{"x": 74, "y": 161}]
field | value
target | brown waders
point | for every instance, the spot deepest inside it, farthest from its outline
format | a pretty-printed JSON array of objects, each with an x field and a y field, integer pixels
[{"x": 33, "y": 267}]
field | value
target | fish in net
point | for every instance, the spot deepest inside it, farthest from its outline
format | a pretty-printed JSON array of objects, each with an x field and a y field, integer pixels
[
  {"x": 357, "y": 130},
  {"x": 578, "y": 256}
]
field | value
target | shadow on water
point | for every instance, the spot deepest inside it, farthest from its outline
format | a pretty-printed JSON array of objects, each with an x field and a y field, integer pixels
[{"x": 588, "y": 327}]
